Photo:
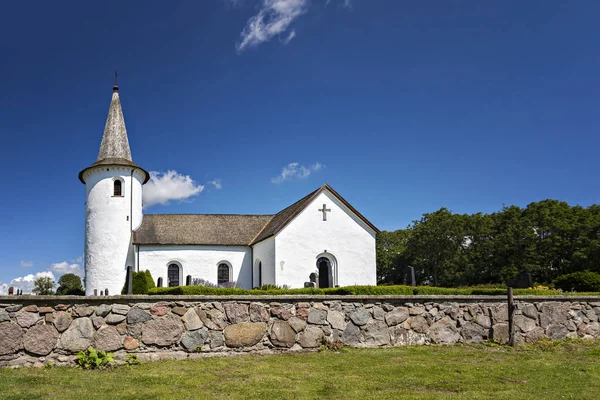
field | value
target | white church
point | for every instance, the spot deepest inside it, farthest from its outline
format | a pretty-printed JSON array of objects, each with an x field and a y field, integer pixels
[{"x": 320, "y": 233}]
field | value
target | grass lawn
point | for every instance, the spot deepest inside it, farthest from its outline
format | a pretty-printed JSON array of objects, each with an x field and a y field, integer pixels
[{"x": 558, "y": 370}]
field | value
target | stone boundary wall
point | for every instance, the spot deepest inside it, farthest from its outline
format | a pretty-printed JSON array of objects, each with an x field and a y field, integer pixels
[{"x": 35, "y": 330}]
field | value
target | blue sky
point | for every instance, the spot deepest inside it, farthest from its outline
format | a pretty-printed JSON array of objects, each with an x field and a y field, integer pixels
[{"x": 403, "y": 107}]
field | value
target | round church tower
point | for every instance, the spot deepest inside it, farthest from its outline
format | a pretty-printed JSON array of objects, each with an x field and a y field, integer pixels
[{"x": 113, "y": 207}]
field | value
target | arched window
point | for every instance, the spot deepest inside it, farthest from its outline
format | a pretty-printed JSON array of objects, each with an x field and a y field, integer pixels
[
  {"x": 173, "y": 275},
  {"x": 117, "y": 188},
  {"x": 260, "y": 283},
  {"x": 222, "y": 274}
]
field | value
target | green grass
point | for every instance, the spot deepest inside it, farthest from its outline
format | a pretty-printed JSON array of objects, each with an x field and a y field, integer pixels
[
  {"x": 550, "y": 370},
  {"x": 400, "y": 290}
]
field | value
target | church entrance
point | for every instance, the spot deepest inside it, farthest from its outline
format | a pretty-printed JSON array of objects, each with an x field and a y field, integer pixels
[{"x": 325, "y": 272}]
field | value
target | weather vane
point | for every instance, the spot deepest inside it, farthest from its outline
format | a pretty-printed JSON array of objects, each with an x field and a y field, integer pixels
[{"x": 116, "y": 76}]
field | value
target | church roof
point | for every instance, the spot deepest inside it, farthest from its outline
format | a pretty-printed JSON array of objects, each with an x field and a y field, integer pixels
[
  {"x": 199, "y": 229},
  {"x": 114, "y": 148},
  {"x": 285, "y": 216}
]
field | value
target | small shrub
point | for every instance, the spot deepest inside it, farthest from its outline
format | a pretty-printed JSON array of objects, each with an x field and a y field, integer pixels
[
  {"x": 94, "y": 359},
  {"x": 132, "y": 359},
  {"x": 142, "y": 283},
  {"x": 582, "y": 281}
]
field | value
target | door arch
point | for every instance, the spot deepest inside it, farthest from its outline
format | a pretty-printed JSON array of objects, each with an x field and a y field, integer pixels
[{"x": 327, "y": 269}]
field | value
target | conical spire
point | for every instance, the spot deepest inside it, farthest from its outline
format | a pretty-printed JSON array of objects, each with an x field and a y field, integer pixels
[{"x": 114, "y": 141}]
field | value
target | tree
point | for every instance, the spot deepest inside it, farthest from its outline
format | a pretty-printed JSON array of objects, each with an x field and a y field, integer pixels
[
  {"x": 43, "y": 286},
  {"x": 391, "y": 256},
  {"x": 70, "y": 284}
]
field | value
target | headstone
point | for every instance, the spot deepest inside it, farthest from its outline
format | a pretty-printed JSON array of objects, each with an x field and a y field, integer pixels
[
  {"x": 522, "y": 281},
  {"x": 102, "y": 293},
  {"x": 188, "y": 280},
  {"x": 11, "y": 291},
  {"x": 411, "y": 275},
  {"x": 106, "y": 292},
  {"x": 309, "y": 284},
  {"x": 313, "y": 277},
  {"x": 129, "y": 280},
  {"x": 159, "y": 283},
  {"x": 95, "y": 292}
]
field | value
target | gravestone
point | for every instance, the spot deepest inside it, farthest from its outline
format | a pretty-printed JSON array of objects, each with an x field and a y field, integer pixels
[
  {"x": 522, "y": 281},
  {"x": 106, "y": 292},
  {"x": 11, "y": 291},
  {"x": 95, "y": 292},
  {"x": 188, "y": 280},
  {"x": 159, "y": 283},
  {"x": 309, "y": 284}
]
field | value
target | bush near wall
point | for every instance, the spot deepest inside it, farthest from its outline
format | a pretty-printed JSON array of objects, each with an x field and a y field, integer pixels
[
  {"x": 142, "y": 283},
  {"x": 579, "y": 281},
  {"x": 398, "y": 290}
]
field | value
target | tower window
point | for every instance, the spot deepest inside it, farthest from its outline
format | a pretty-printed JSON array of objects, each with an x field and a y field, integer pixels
[{"x": 117, "y": 188}]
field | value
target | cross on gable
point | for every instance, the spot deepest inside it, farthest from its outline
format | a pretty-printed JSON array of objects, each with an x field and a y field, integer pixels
[{"x": 325, "y": 210}]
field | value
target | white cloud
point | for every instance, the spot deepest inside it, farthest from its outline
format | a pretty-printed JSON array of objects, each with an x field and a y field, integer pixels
[
  {"x": 289, "y": 37},
  {"x": 26, "y": 264},
  {"x": 273, "y": 19},
  {"x": 66, "y": 268},
  {"x": 166, "y": 186},
  {"x": 216, "y": 183},
  {"x": 295, "y": 170},
  {"x": 25, "y": 283}
]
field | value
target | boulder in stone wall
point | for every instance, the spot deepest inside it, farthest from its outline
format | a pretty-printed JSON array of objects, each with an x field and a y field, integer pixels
[
  {"x": 311, "y": 337},
  {"x": 159, "y": 309},
  {"x": 97, "y": 322},
  {"x": 556, "y": 331},
  {"x": 212, "y": 319},
  {"x": 499, "y": 312},
  {"x": 376, "y": 333},
  {"x": 14, "y": 308},
  {"x": 4, "y": 316},
  {"x": 297, "y": 324},
  {"x": 317, "y": 317},
  {"x": 216, "y": 339},
  {"x": 378, "y": 313},
  {"x": 103, "y": 310},
  {"x": 593, "y": 329},
  {"x": 444, "y": 331},
  {"x": 31, "y": 308},
  {"x": 337, "y": 319},
  {"x": 500, "y": 333},
  {"x": 191, "y": 320},
  {"x": 120, "y": 309},
  {"x": 40, "y": 339},
  {"x": 473, "y": 333},
  {"x": 534, "y": 335},
  {"x": 416, "y": 310},
  {"x": 529, "y": 311},
  {"x": 352, "y": 335},
  {"x": 524, "y": 324},
  {"x": 138, "y": 316},
  {"x": 122, "y": 328},
  {"x": 26, "y": 319},
  {"x": 83, "y": 311},
  {"x": 115, "y": 319},
  {"x": 554, "y": 313},
  {"x": 78, "y": 336},
  {"x": 179, "y": 310},
  {"x": 418, "y": 324},
  {"x": 107, "y": 338},
  {"x": 46, "y": 310},
  {"x": 130, "y": 343},
  {"x": 237, "y": 312},
  {"x": 482, "y": 320},
  {"x": 397, "y": 316},
  {"x": 302, "y": 312},
  {"x": 360, "y": 316},
  {"x": 281, "y": 312},
  {"x": 245, "y": 334},
  {"x": 282, "y": 334},
  {"x": 11, "y": 338},
  {"x": 258, "y": 313},
  {"x": 135, "y": 330},
  {"x": 163, "y": 331},
  {"x": 401, "y": 337},
  {"x": 62, "y": 320},
  {"x": 191, "y": 340}
]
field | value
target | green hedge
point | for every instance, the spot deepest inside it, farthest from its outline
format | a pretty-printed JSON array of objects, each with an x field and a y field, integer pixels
[
  {"x": 579, "y": 281},
  {"x": 142, "y": 283},
  {"x": 398, "y": 290}
]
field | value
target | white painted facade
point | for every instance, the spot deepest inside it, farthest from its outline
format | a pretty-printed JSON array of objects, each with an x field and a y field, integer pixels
[
  {"x": 109, "y": 221},
  {"x": 197, "y": 261},
  {"x": 264, "y": 261},
  {"x": 343, "y": 238}
]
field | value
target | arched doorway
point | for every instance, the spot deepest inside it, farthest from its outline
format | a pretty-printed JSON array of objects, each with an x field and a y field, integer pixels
[{"x": 325, "y": 272}]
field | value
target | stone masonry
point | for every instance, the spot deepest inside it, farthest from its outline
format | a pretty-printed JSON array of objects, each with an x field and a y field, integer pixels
[{"x": 53, "y": 329}]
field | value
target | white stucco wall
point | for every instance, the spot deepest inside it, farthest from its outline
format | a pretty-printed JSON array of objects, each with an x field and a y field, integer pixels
[
  {"x": 107, "y": 247},
  {"x": 197, "y": 261},
  {"x": 343, "y": 235},
  {"x": 265, "y": 253}
]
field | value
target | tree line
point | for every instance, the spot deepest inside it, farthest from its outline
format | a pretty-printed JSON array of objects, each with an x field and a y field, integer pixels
[{"x": 548, "y": 238}]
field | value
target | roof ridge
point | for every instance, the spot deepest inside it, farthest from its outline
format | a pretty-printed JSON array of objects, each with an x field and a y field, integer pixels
[{"x": 235, "y": 215}]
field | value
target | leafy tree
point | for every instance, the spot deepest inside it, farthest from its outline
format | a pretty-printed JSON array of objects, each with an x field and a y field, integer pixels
[
  {"x": 43, "y": 286},
  {"x": 391, "y": 256},
  {"x": 70, "y": 284}
]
